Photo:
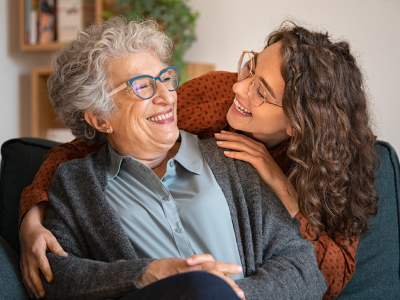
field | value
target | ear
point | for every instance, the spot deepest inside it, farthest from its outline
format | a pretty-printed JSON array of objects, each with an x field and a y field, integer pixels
[
  {"x": 290, "y": 131},
  {"x": 99, "y": 124}
]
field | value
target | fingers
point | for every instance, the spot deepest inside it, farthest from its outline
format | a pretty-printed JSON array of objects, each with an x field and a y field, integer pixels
[
  {"x": 36, "y": 282},
  {"x": 231, "y": 282},
  {"x": 25, "y": 278},
  {"x": 45, "y": 267},
  {"x": 225, "y": 268},
  {"x": 199, "y": 259},
  {"x": 240, "y": 138},
  {"x": 206, "y": 262},
  {"x": 54, "y": 246},
  {"x": 31, "y": 279},
  {"x": 42, "y": 260}
]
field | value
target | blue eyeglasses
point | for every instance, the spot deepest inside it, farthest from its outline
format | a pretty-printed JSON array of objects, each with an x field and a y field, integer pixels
[{"x": 145, "y": 86}]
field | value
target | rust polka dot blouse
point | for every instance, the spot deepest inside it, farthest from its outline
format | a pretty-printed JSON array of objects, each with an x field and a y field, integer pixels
[{"x": 202, "y": 107}]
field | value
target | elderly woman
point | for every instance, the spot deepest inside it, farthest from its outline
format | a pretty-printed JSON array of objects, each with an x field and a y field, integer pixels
[{"x": 154, "y": 201}]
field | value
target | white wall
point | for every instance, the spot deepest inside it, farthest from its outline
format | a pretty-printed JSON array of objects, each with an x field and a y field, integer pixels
[
  {"x": 15, "y": 69},
  {"x": 226, "y": 27}
]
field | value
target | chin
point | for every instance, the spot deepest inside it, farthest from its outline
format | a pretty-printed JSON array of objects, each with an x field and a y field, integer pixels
[
  {"x": 232, "y": 121},
  {"x": 172, "y": 135}
]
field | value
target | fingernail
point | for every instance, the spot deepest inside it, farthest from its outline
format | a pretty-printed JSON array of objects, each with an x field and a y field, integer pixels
[
  {"x": 189, "y": 260},
  {"x": 227, "y": 152},
  {"x": 48, "y": 279},
  {"x": 239, "y": 269},
  {"x": 216, "y": 133},
  {"x": 37, "y": 296},
  {"x": 223, "y": 131},
  {"x": 240, "y": 294},
  {"x": 219, "y": 142},
  {"x": 41, "y": 294}
]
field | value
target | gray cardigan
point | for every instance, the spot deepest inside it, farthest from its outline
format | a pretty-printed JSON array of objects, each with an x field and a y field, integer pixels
[{"x": 277, "y": 262}]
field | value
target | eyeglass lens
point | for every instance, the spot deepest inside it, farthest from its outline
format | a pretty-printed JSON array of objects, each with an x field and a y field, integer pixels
[
  {"x": 245, "y": 65},
  {"x": 257, "y": 92},
  {"x": 145, "y": 86}
]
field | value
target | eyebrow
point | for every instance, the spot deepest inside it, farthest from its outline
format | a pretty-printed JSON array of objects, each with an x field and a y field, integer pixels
[
  {"x": 265, "y": 83},
  {"x": 267, "y": 86}
]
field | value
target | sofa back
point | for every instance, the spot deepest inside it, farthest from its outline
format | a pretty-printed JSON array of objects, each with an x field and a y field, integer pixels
[
  {"x": 377, "y": 261},
  {"x": 21, "y": 159},
  {"x": 377, "y": 270}
]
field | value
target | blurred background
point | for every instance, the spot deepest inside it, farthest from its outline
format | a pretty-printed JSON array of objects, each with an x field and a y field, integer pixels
[{"x": 222, "y": 29}]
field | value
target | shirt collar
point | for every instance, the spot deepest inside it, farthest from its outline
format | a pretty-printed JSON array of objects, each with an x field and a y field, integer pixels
[
  {"x": 189, "y": 156},
  {"x": 114, "y": 162}
]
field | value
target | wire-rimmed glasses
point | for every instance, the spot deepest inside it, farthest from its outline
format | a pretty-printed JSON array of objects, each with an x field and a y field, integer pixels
[
  {"x": 145, "y": 86},
  {"x": 257, "y": 91}
]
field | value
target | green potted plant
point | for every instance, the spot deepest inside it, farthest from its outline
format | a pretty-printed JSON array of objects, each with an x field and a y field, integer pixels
[{"x": 175, "y": 17}]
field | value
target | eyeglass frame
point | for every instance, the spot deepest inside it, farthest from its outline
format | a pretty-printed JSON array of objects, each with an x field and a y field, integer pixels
[
  {"x": 130, "y": 81},
  {"x": 251, "y": 74}
]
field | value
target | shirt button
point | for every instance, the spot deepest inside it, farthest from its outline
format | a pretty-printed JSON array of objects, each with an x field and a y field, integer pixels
[
  {"x": 171, "y": 163},
  {"x": 179, "y": 230},
  {"x": 166, "y": 198}
]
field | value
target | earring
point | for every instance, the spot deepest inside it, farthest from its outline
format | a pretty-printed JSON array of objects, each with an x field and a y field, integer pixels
[{"x": 108, "y": 130}]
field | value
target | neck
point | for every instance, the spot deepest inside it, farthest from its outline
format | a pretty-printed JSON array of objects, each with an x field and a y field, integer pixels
[
  {"x": 155, "y": 159},
  {"x": 268, "y": 141},
  {"x": 159, "y": 166}
]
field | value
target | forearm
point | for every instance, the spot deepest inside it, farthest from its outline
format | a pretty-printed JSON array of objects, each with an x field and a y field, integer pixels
[
  {"x": 288, "y": 195},
  {"x": 76, "y": 278},
  {"x": 35, "y": 215}
]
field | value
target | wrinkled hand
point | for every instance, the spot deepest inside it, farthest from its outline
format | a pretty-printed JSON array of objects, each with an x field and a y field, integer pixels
[
  {"x": 258, "y": 156},
  {"x": 165, "y": 267},
  {"x": 35, "y": 241}
]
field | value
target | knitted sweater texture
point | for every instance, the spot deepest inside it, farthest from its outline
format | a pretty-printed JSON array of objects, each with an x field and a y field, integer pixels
[{"x": 102, "y": 263}]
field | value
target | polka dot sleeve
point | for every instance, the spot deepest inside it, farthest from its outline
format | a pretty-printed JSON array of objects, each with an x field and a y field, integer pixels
[
  {"x": 37, "y": 191},
  {"x": 203, "y": 103},
  {"x": 336, "y": 263}
]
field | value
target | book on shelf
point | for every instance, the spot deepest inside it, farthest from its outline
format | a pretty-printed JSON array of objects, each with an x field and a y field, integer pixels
[
  {"x": 72, "y": 16},
  {"x": 33, "y": 18},
  {"x": 47, "y": 28},
  {"x": 47, "y": 21}
]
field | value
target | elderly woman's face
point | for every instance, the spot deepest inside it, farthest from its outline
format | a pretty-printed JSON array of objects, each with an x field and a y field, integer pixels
[{"x": 141, "y": 128}]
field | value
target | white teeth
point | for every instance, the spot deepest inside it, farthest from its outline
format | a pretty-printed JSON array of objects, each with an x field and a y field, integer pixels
[
  {"x": 161, "y": 117},
  {"x": 241, "y": 109}
]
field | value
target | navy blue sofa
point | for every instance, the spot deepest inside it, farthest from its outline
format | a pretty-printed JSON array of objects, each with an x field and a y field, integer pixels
[{"x": 377, "y": 271}]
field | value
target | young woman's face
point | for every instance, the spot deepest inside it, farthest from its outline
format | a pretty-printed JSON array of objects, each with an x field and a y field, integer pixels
[{"x": 266, "y": 123}]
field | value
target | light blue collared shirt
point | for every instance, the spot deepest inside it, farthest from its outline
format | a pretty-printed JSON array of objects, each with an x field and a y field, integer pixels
[{"x": 182, "y": 214}]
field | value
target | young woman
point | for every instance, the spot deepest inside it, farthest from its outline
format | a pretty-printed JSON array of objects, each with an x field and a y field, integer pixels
[{"x": 301, "y": 98}]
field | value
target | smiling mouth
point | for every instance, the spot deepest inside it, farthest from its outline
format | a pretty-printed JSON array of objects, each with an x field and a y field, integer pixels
[
  {"x": 161, "y": 117},
  {"x": 241, "y": 109}
]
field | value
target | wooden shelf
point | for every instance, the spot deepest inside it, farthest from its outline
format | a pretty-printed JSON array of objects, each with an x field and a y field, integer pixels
[
  {"x": 43, "y": 116},
  {"x": 98, "y": 10}
]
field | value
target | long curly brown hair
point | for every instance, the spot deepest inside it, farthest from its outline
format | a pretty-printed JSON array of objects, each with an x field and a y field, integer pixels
[{"x": 332, "y": 149}]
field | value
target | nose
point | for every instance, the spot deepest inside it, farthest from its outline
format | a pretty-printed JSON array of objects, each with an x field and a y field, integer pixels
[
  {"x": 241, "y": 89},
  {"x": 163, "y": 95}
]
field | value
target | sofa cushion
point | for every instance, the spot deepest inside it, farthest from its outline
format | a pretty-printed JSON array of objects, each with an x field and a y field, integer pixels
[
  {"x": 21, "y": 159},
  {"x": 11, "y": 285},
  {"x": 377, "y": 261}
]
